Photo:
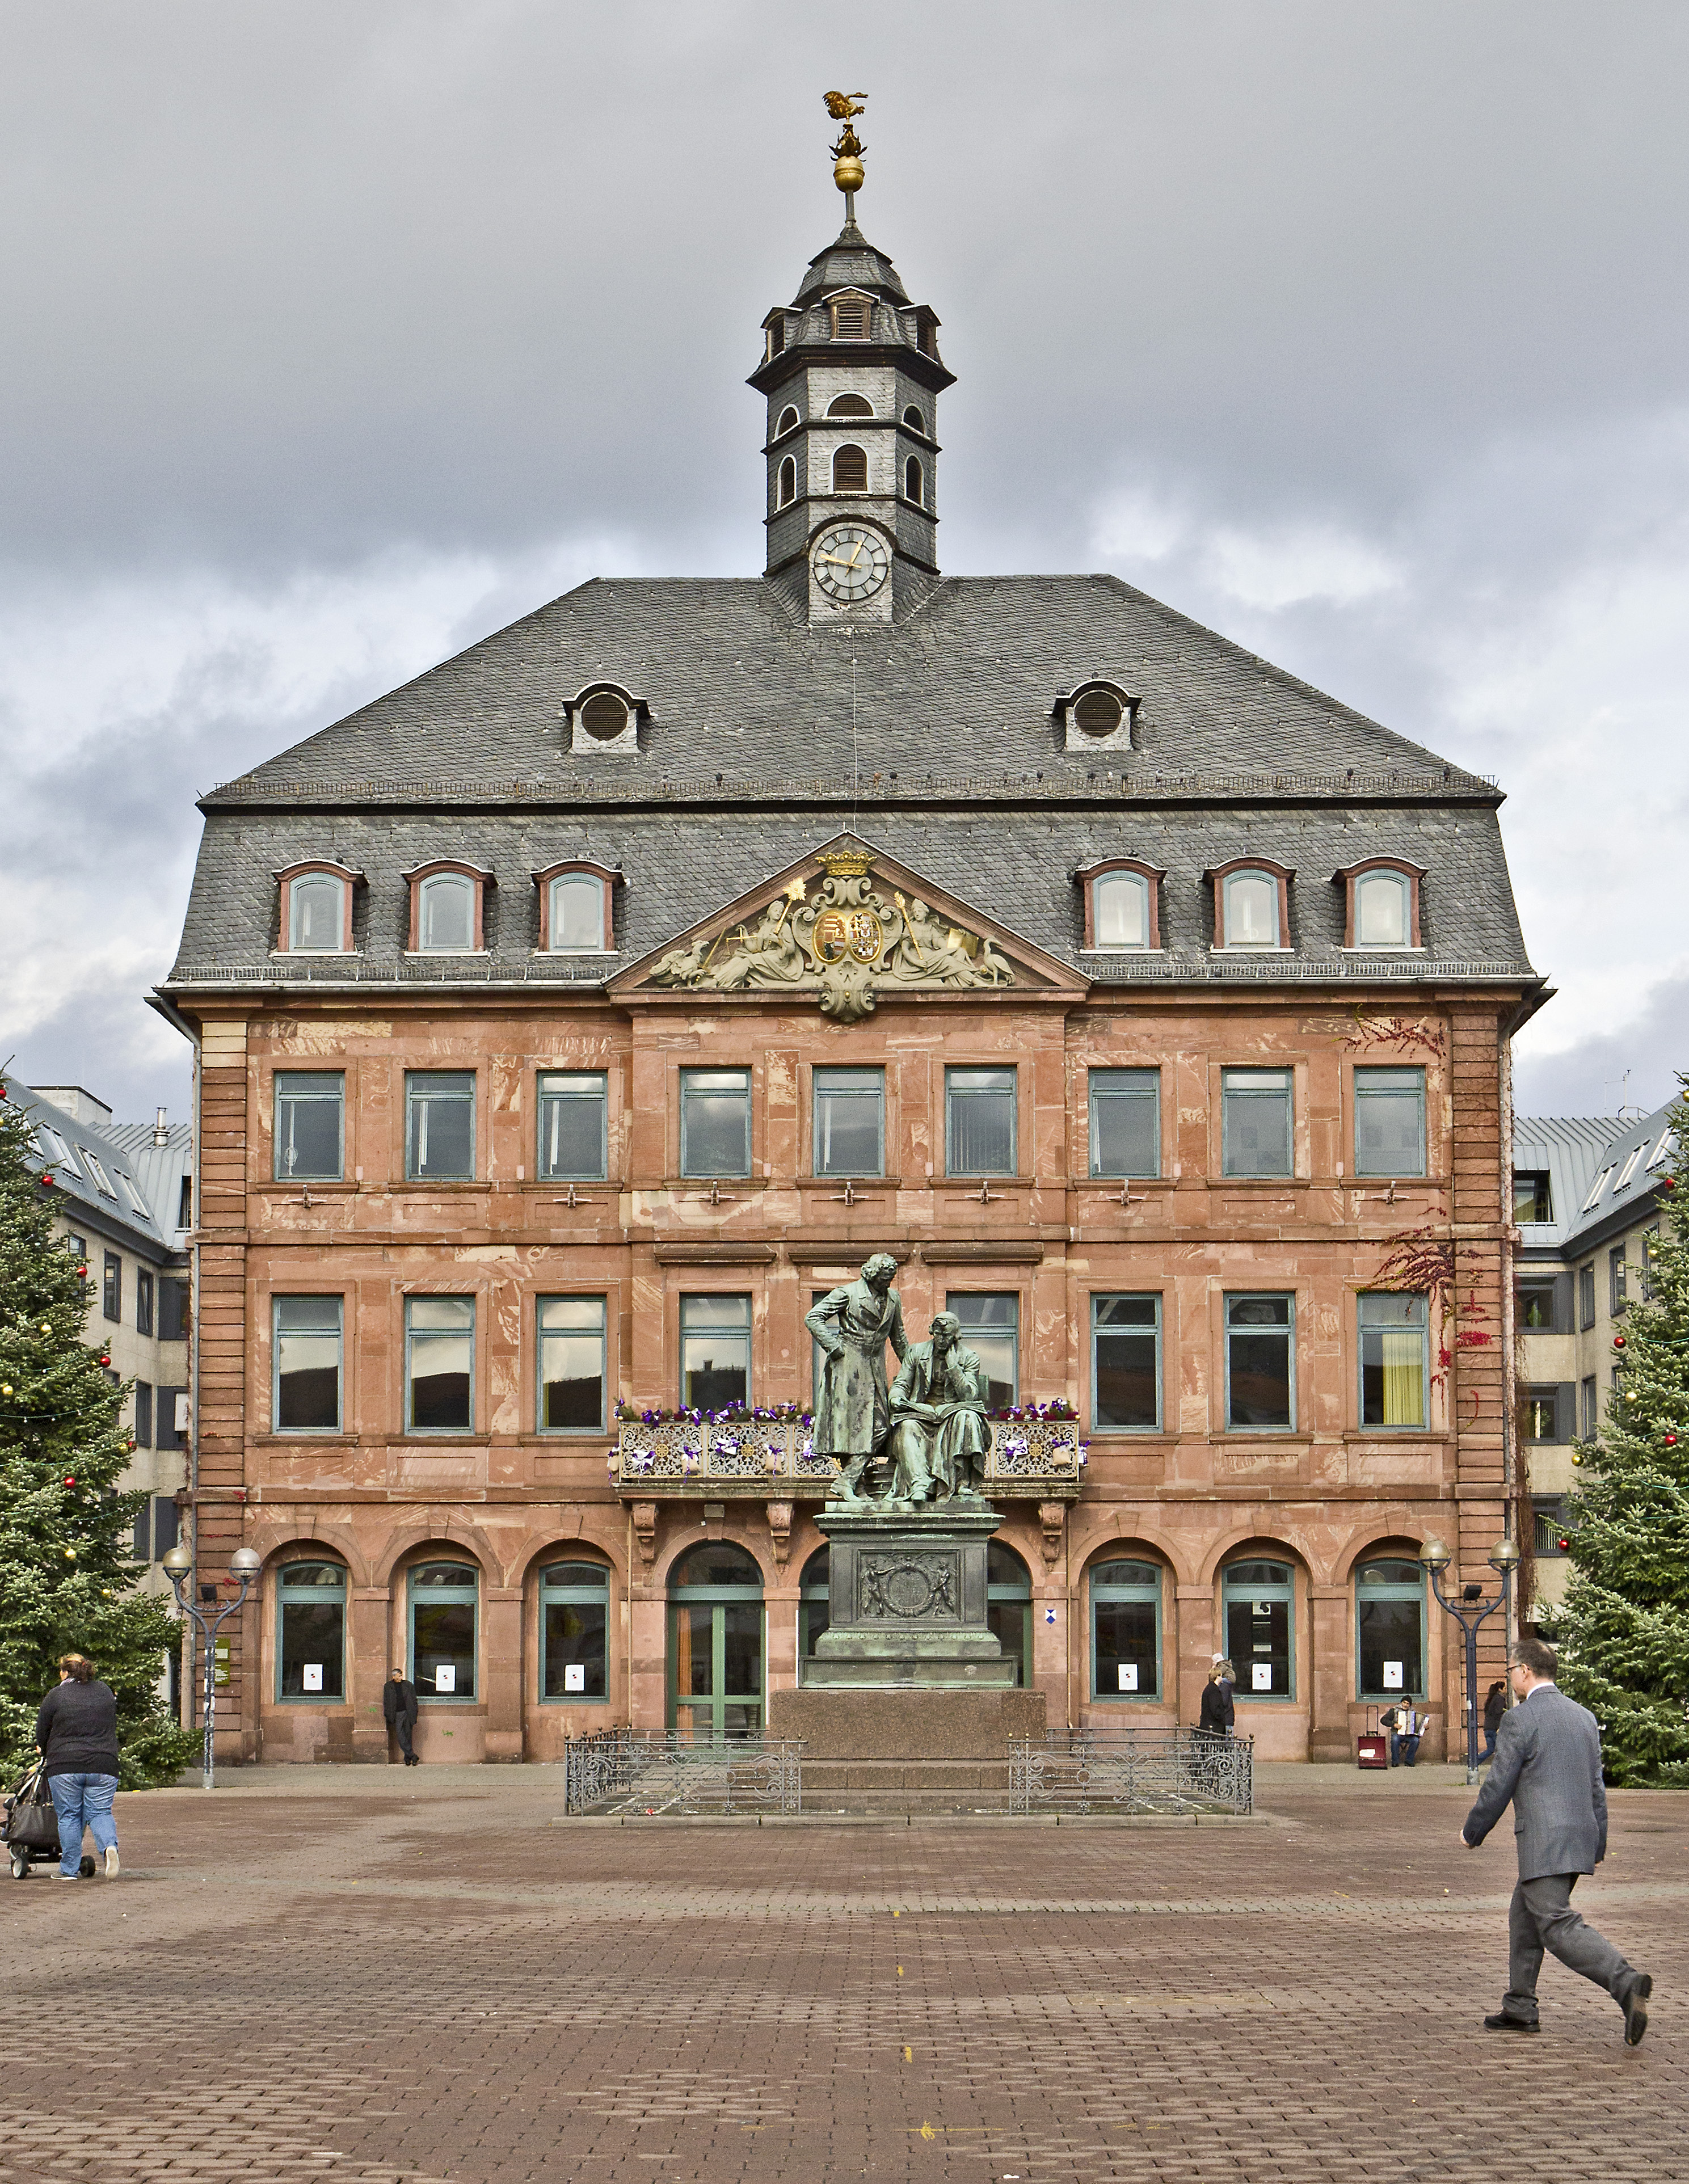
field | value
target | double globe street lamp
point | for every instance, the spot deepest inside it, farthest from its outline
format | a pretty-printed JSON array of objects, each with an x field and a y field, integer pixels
[
  {"x": 1471, "y": 1609},
  {"x": 244, "y": 1565}
]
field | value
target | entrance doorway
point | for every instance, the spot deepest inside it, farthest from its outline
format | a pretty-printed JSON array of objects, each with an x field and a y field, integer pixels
[{"x": 716, "y": 1663}]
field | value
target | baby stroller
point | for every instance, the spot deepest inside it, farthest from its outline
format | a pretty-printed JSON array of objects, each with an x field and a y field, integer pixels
[{"x": 29, "y": 1831}]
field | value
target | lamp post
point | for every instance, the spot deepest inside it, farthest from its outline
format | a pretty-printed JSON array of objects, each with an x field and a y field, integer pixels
[
  {"x": 1471, "y": 1609},
  {"x": 244, "y": 1564}
]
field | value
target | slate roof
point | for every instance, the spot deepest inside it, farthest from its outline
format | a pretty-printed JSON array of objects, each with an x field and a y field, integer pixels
[
  {"x": 932, "y": 739},
  {"x": 744, "y": 695}
]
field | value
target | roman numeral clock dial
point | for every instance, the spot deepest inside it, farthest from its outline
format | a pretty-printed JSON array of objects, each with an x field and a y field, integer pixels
[{"x": 850, "y": 562}]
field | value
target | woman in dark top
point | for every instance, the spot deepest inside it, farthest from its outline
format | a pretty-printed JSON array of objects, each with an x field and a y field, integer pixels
[
  {"x": 1216, "y": 1715},
  {"x": 1495, "y": 1706},
  {"x": 76, "y": 1734}
]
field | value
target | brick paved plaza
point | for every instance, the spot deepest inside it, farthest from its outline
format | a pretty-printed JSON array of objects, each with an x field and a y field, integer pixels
[{"x": 358, "y": 1975}]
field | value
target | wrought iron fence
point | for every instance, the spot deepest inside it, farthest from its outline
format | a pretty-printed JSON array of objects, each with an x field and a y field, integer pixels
[
  {"x": 1028, "y": 1456},
  {"x": 1132, "y": 1770},
  {"x": 622, "y": 1771}
]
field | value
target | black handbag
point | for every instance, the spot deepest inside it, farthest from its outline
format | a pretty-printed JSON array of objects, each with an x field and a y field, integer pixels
[{"x": 31, "y": 1821}]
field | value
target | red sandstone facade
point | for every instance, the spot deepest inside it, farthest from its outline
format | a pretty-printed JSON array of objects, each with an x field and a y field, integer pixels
[{"x": 507, "y": 1499}]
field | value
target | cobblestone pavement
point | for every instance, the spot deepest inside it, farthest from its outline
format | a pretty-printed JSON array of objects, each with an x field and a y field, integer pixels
[{"x": 359, "y": 1975}]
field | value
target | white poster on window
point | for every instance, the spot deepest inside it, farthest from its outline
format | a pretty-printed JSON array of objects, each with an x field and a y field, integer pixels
[
  {"x": 445, "y": 1679},
  {"x": 1128, "y": 1675},
  {"x": 310, "y": 1676},
  {"x": 1392, "y": 1675},
  {"x": 1261, "y": 1675},
  {"x": 574, "y": 1676}
]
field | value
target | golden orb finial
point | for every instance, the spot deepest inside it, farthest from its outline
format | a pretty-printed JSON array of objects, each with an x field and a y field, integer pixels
[{"x": 848, "y": 171}]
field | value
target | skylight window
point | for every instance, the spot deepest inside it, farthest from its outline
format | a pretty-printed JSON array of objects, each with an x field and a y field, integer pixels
[
  {"x": 136, "y": 1203},
  {"x": 1596, "y": 1187},
  {"x": 90, "y": 1162},
  {"x": 1662, "y": 1151},
  {"x": 1629, "y": 1168},
  {"x": 54, "y": 1146}
]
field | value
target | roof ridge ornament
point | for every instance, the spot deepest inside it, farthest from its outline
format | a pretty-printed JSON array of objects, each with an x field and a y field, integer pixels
[{"x": 848, "y": 171}]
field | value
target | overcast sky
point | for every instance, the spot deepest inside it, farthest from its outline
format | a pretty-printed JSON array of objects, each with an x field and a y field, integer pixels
[{"x": 335, "y": 337}]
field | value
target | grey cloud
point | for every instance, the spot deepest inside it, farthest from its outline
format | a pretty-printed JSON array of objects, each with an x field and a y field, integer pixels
[{"x": 1637, "y": 1064}]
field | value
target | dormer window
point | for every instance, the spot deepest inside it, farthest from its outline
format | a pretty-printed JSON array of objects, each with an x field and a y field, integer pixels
[
  {"x": 1097, "y": 715},
  {"x": 316, "y": 909},
  {"x": 575, "y": 914},
  {"x": 927, "y": 331},
  {"x": 447, "y": 909},
  {"x": 774, "y": 330},
  {"x": 787, "y": 490},
  {"x": 1122, "y": 905},
  {"x": 1381, "y": 907},
  {"x": 786, "y": 422},
  {"x": 605, "y": 716},
  {"x": 852, "y": 318},
  {"x": 850, "y": 470},
  {"x": 849, "y": 405},
  {"x": 1251, "y": 905},
  {"x": 914, "y": 419}
]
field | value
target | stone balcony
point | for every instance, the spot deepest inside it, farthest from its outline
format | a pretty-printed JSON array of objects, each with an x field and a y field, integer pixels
[{"x": 1030, "y": 1460}]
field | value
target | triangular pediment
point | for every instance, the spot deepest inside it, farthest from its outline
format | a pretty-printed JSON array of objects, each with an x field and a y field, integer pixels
[{"x": 848, "y": 928}]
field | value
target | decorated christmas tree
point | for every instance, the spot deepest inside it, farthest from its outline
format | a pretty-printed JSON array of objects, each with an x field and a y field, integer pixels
[
  {"x": 1624, "y": 1626},
  {"x": 67, "y": 1583}
]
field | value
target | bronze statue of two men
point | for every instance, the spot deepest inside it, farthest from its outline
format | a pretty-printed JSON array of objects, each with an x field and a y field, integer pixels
[{"x": 930, "y": 1423}]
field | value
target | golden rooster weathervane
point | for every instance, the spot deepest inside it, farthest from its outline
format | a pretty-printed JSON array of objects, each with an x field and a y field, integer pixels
[{"x": 847, "y": 154}]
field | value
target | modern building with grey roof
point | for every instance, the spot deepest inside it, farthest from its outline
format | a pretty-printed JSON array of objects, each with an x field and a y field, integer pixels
[{"x": 574, "y": 1015}]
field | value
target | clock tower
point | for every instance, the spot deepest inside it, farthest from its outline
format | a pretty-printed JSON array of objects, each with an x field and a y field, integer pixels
[{"x": 852, "y": 377}]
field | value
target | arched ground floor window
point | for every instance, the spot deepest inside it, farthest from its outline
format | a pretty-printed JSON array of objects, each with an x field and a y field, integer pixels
[
  {"x": 574, "y": 1620},
  {"x": 1389, "y": 1630},
  {"x": 1008, "y": 1608},
  {"x": 1260, "y": 1626},
  {"x": 1126, "y": 1629},
  {"x": 442, "y": 1603},
  {"x": 715, "y": 1656},
  {"x": 310, "y": 1649}
]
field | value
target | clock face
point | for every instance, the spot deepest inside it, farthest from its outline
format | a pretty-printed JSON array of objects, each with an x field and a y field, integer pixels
[{"x": 850, "y": 562}]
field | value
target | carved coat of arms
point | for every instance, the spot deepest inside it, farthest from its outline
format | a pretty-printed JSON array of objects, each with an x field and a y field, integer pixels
[{"x": 852, "y": 941}]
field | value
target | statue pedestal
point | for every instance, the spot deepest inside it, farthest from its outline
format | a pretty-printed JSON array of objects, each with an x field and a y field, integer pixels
[{"x": 907, "y": 1600}]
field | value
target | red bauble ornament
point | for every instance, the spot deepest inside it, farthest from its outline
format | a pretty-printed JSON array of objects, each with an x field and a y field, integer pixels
[
  {"x": 1565, "y": 1544},
  {"x": 104, "y": 1358},
  {"x": 1671, "y": 1441},
  {"x": 70, "y": 1482},
  {"x": 46, "y": 1180},
  {"x": 1617, "y": 1342},
  {"x": 83, "y": 1271}
]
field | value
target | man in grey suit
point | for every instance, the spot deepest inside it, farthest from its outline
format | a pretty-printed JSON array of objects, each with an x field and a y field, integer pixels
[{"x": 1548, "y": 1764}]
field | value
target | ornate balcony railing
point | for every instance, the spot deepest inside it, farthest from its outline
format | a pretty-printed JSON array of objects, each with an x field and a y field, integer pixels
[{"x": 1030, "y": 1458}]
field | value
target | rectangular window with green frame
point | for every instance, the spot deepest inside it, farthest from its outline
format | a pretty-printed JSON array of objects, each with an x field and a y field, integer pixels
[
  {"x": 439, "y": 1364},
  {"x": 308, "y": 1350},
  {"x": 574, "y": 1126},
  {"x": 571, "y": 1356},
  {"x": 1125, "y": 1122},
  {"x": 1390, "y": 1122},
  {"x": 1395, "y": 1357},
  {"x": 1126, "y": 1364}
]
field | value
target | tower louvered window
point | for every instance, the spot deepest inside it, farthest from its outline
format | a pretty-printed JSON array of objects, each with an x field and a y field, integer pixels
[
  {"x": 851, "y": 471},
  {"x": 851, "y": 319}
]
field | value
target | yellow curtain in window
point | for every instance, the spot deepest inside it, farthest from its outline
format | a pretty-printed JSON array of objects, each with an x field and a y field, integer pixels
[{"x": 1404, "y": 1389}]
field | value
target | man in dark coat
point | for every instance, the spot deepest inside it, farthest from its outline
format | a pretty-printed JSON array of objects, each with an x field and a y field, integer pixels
[
  {"x": 853, "y": 1325},
  {"x": 399, "y": 1704},
  {"x": 1548, "y": 1764}
]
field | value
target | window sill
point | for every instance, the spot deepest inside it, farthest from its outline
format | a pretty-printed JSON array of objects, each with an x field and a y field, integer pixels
[
  {"x": 1390, "y": 1433},
  {"x": 419, "y": 1183},
  {"x": 569, "y": 954},
  {"x": 290, "y": 1184},
  {"x": 571, "y": 1698},
  {"x": 440, "y": 954},
  {"x": 448, "y": 1438},
  {"x": 1247, "y": 1437},
  {"x": 315, "y": 955},
  {"x": 971, "y": 1183},
  {"x": 856, "y": 1182},
  {"x": 1108, "y": 1182},
  {"x": 1122, "y": 951},
  {"x": 1255, "y": 1181},
  {"x": 1236, "y": 949},
  {"x": 1385, "y": 948}
]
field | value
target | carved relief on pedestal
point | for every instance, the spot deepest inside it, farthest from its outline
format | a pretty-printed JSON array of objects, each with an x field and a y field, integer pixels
[
  {"x": 851, "y": 941},
  {"x": 907, "y": 1586}
]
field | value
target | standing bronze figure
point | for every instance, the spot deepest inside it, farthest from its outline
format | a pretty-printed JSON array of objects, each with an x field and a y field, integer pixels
[{"x": 852, "y": 1410}]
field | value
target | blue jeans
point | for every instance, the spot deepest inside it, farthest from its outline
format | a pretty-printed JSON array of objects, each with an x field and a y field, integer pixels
[
  {"x": 1489, "y": 1751},
  {"x": 1403, "y": 1750},
  {"x": 82, "y": 1801}
]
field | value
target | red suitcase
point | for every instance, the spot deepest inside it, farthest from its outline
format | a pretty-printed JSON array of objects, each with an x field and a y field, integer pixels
[{"x": 1372, "y": 1749}]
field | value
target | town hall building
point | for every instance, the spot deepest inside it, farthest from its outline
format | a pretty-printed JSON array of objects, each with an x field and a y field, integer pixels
[{"x": 570, "y": 1021}]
